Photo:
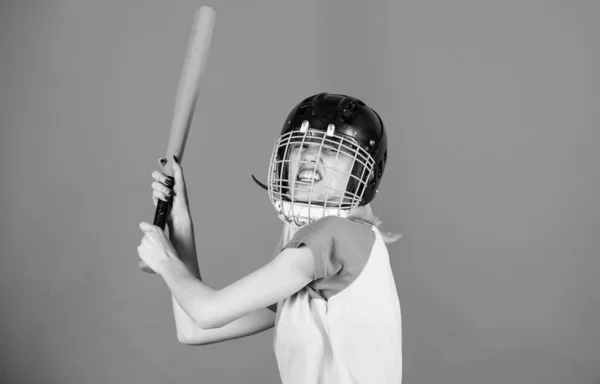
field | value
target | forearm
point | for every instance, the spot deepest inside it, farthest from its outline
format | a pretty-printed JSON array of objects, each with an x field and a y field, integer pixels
[
  {"x": 191, "y": 297},
  {"x": 184, "y": 324},
  {"x": 183, "y": 239}
]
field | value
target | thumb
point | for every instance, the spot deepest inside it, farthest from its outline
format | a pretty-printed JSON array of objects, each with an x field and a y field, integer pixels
[
  {"x": 178, "y": 175},
  {"x": 146, "y": 227}
]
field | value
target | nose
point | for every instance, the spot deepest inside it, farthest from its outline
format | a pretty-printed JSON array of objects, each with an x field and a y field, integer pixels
[
  {"x": 312, "y": 149},
  {"x": 310, "y": 154}
]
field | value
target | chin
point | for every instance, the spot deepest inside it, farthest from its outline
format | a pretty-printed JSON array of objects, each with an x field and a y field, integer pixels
[{"x": 303, "y": 196}]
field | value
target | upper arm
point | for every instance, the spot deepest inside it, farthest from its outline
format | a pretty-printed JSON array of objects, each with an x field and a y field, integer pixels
[{"x": 286, "y": 274}]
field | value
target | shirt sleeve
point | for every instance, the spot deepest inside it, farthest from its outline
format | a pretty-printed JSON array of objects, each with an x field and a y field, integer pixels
[{"x": 341, "y": 249}]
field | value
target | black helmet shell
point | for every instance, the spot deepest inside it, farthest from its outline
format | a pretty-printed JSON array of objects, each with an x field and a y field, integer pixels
[{"x": 352, "y": 118}]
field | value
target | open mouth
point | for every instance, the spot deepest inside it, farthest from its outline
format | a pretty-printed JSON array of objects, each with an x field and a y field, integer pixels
[{"x": 309, "y": 176}]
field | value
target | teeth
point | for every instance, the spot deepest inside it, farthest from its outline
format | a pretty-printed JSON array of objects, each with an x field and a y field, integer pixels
[{"x": 309, "y": 175}]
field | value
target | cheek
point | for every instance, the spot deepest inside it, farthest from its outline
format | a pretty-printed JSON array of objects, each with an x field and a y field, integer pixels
[
  {"x": 341, "y": 173},
  {"x": 343, "y": 165},
  {"x": 292, "y": 164}
]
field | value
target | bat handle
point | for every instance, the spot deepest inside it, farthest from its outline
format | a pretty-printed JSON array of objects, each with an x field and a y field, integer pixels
[
  {"x": 162, "y": 212},
  {"x": 160, "y": 220}
]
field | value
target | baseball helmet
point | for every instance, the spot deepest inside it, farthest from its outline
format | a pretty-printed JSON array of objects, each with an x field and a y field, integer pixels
[{"x": 325, "y": 135}]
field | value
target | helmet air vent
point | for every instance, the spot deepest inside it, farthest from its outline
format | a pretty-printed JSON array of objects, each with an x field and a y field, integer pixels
[{"x": 301, "y": 111}]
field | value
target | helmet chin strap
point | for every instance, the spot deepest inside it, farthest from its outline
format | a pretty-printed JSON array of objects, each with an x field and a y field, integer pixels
[{"x": 260, "y": 184}]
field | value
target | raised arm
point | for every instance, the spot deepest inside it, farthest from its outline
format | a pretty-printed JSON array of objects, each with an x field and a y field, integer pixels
[
  {"x": 286, "y": 274},
  {"x": 188, "y": 332},
  {"x": 181, "y": 233}
]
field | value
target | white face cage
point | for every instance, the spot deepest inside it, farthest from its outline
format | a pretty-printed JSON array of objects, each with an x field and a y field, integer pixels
[{"x": 339, "y": 170}]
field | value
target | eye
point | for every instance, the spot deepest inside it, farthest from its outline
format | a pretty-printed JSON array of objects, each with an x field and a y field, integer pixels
[
  {"x": 297, "y": 146},
  {"x": 325, "y": 148}
]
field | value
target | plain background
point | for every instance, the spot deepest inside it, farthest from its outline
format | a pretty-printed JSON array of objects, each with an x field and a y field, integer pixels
[{"x": 492, "y": 112}]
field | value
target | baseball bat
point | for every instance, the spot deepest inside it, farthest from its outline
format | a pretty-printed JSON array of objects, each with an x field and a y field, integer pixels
[{"x": 185, "y": 103}]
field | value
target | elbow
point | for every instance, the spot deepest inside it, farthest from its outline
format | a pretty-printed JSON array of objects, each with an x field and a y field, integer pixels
[
  {"x": 197, "y": 338},
  {"x": 207, "y": 317},
  {"x": 190, "y": 338},
  {"x": 191, "y": 332},
  {"x": 184, "y": 339},
  {"x": 209, "y": 322},
  {"x": 190, "y": 341},
  {"x": 185, "y": 333},
  {"x": 200, "y": 315},
  {"x": 201, "y": 319}
]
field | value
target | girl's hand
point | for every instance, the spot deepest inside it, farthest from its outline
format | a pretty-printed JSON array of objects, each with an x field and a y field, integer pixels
[
  {"x": 155, "y": 248},
  {"x": 162, "y": 189}
]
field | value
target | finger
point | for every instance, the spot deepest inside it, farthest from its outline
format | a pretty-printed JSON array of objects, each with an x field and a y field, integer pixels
[
  {"x": 159, "y": 195},
  {"x": 152, "y": 234},
  {"x": 141, "y": 250},
  {"x": 146, "y": 227},
  {"x": 146, "y": 242},
  {"x": 158, "y": 176},
  {"x": 156, "y": 186},
  {"x": 162, "y": 178}
]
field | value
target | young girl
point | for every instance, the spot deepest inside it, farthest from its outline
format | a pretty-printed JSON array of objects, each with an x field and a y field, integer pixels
[{"x": 329, "y": 290}]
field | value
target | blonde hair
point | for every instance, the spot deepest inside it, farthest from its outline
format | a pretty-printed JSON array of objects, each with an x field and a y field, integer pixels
[{"x": 363, "y": 213}]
